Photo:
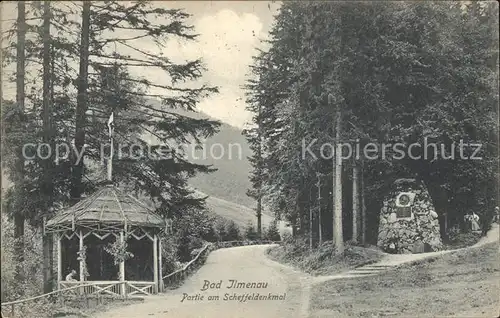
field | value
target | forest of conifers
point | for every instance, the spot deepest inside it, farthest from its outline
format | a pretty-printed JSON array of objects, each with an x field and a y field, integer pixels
[{"x": 380, "y": 73}]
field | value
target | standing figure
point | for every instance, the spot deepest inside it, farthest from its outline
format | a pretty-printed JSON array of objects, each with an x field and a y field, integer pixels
[
  {"x": 496, "y": 215},
  {"x": 474, "y": 220},
  {"x": 467, "y": 222}
]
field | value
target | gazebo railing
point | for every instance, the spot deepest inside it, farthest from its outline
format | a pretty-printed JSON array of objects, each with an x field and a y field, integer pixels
[
  {"x": 112, "y": 288},
  {"x": 139, "y": 288}
]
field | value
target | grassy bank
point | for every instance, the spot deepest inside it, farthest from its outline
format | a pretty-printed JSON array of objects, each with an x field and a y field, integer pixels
[
  {"x": 463, "y": 283},
  {"x": 456, "y": 240},
  {"x": 75, "y": 308},
  {"x": 323, "y": 260},
  {"x": 72, "y": 312}
]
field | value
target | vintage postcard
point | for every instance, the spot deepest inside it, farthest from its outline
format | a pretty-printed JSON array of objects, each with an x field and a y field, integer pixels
[{"x": 242, "y": 159}]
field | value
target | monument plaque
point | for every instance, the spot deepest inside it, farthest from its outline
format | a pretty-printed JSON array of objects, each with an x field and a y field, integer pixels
[{"x": 408, "y": 220}]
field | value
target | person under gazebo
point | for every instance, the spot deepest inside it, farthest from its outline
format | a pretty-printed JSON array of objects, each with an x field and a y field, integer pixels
[{"x": 70, "y": 276}]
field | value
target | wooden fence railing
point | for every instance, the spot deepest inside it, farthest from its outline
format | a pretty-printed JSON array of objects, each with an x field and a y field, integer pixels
[
  {"x": 85, "y": 292},
  {"x": 60, "y": 294},
  {"x": 224, "y": 244},
  {"x": 179, "y": 275}
]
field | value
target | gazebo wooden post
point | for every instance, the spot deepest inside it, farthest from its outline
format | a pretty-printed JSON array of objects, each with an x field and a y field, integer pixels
[
  {"x": 122, "y": 268},
  {"x": 82, "y": 265},
  {"x": 155, "y": 262},
  {"x": 160, "y": 272}
]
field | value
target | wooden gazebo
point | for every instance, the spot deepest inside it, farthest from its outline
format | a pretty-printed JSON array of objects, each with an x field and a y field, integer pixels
[{"x": 84, "y": 234}]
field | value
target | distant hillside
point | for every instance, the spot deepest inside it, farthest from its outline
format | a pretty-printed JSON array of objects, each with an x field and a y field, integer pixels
[
  {"x": 230, "y": 182},
  {"x": 241, "y": 215},
  {"x": 227, "y": 210},
  {"x": 227, "y": 186}
]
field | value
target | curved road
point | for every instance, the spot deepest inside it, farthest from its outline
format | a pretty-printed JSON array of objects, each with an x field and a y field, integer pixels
[{"x": 245, "y": 264}]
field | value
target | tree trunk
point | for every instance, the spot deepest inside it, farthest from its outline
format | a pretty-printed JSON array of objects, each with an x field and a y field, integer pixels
[
  {"x": 355, "y": 203},
  {"x": 81, "y": 103},
  {"x": 20, "y": 96},
  {"x": 47, "y": 263},
  {"x": 47, "y": 138},
  {"x": 320, "y": 225},
  {"x": 363, "y": 206},
  {"x": 259, "y": 215},
  {"x": 337, "y": 213},
  {"x": 293, "y": 223},
  {"x": 337, "y": 234},
  {"x": 260, "y": 174},
  {"x": 299, "y": 210},
  {"x": 310, "y": 221}
]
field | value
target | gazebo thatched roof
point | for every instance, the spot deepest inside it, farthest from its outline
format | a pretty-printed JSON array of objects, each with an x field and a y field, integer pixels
[{"x": 108, "y": 205}]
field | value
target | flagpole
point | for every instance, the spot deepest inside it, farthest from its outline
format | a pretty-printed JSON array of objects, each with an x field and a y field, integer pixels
[{"x": 110, "y": 160}]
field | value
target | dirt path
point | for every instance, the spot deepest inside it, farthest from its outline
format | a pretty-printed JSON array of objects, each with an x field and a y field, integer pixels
[{"x": 246, "y": 264}]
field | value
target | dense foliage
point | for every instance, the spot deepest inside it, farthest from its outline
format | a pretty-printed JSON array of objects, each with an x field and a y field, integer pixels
[
  {"x": 91, "y": 72},
  {"x": 400, "y": 73}
]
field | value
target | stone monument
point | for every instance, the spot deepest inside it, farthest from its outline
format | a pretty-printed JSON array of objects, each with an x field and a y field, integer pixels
[{"x": 408, "y": 221}]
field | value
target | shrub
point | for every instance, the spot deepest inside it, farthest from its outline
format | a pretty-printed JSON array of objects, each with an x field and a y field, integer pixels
[
  {"x": 32, "y": 265},
  {"x": 457, "y": 239},
  {"x": 323, "y": 259},
  {"x": 232, "y": 232},
  {"x": 170, "y": 259},
  {"x": 210, "y": 235},
  {"x": 272, "y": 233},
  {"x": 191, "y": 227},
  {"x": 250, "y": 233},
  {"x": 287, "y": 237},
  {"x": 220, "y": 230}
]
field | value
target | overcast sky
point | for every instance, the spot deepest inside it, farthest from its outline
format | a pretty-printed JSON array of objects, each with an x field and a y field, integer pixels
[{"x": 229, "y": 33}]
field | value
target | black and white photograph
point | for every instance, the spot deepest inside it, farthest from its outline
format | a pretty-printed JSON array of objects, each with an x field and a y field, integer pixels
[{"x": 250, "y": 159}]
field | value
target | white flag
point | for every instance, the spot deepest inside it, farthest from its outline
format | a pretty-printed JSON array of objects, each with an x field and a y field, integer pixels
[{"x": 110, "y": 124}]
